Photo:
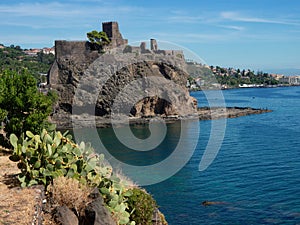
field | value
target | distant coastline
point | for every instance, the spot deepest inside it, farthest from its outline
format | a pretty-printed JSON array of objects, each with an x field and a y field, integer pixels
[
  {"x": 246, "y": 87},
  {"x": 204, "y": 77}
]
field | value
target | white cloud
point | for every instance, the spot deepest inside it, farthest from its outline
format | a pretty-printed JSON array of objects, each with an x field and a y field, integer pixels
[
  {"x": 237, "y": 28},
  {"x": 61, "y": 15},
  {"x": 38, "y": 9},
  {"x": 44, "y": 24},
  {"x": 228, "y": 36},
  {"x": 185, "y": 19},
  {"x": 193, "y": 37},
  {"x": 55, "y": 9},
  {"x": 85, "y": 1},
  {"x": 36, "y": 24},
  {"x": 238, "y": 17},
  {"x": 25, "y": 39}
]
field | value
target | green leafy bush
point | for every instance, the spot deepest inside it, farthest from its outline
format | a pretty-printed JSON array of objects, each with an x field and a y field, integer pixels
[
  {"x": 42, "y": 158},
  {"x": 142, "y": 206},
  {"x": 98, "y": 39},
  {"x": 22, "y": 106}
]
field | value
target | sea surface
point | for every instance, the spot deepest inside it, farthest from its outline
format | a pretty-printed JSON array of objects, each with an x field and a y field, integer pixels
[{"x": 255, "y": 177}]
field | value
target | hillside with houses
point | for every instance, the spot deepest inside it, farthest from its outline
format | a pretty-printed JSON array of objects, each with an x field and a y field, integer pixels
[
  {"x": 210, "y": 77},
  {"x": 37, "y": 61}
]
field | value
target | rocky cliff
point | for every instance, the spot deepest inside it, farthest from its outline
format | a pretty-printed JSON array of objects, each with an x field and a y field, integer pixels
[{"x": 138, "y": 85}]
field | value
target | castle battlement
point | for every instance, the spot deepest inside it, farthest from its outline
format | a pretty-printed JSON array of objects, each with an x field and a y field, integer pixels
[
  {"x": 115, "y": 36},
  {"x": 142, "y": 49},
  {"x": 117, "y": 44}
]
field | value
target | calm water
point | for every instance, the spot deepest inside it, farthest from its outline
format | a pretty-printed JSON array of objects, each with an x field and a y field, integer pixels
[{"x": 256, "y": 174}]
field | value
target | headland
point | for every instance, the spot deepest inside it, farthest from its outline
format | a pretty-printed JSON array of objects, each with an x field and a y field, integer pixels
[{"x": 89, "y": 79}]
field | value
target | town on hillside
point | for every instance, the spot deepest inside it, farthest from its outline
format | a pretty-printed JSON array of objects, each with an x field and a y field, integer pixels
[{"x": 226, "y": 78}]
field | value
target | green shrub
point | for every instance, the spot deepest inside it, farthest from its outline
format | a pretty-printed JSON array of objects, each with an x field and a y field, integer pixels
[
  {"x": 142, "y": 206},
  {"x": 42, "y": 158},
  {"x": 22, "y": 107},
  {"x": 98, "y": 39}
]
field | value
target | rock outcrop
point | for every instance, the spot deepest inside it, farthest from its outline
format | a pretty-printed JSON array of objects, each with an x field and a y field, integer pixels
[
  {"x": 136, "y": 85},
  {"x": 71, "y": 60},
  {"x": 214, "y": 113}
]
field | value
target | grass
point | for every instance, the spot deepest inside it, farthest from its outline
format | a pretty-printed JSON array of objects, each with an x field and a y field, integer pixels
[{"x": 69, "y": 192}]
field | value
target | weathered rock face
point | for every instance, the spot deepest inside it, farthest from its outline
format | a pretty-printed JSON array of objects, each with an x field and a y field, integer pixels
[
  {"x": 71, "y": 60},
  {"x": 116, "y": 82},
  {"x": 64, "y": 216},
  {"x": 95, "y": 213}
]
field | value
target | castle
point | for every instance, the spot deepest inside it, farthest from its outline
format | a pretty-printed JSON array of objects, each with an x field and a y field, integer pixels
[
  {"x": 74, "y": 58},
  {"x": 84, "y": 51},
  {"x": 117, "y": 44}
]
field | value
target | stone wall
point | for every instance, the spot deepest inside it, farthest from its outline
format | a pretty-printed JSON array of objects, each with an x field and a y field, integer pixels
[
  {"x": 72, "y": 58},
  {"x": 142, "y": 49}
]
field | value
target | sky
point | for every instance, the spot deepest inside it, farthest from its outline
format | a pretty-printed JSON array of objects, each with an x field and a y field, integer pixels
[{"x": 247, "y": 34}]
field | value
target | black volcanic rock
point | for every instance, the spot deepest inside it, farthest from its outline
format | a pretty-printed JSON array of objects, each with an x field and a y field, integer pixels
[{"x": 142, "y": 85}]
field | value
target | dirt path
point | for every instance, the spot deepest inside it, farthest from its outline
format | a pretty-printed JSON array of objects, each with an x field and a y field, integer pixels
[{"x": 17, "y": 205}]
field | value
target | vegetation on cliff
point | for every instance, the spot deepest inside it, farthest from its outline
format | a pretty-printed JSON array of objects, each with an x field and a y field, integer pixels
[
  {"x": 44, "y": 154},
  {"x": 14, "y": 58},
  {"x": 99, "y": 39},
  {"x": 22, "y": 107},
  {"x": 50, "y": 155}
]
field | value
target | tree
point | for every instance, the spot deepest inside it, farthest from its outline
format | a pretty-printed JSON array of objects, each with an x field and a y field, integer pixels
[
  {"x": 16, "y": 59},
  {"x": 99, "y": 38},
  {"x": 22, "y": 106}
]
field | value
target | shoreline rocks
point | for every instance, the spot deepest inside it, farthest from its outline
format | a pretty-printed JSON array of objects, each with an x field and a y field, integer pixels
[
  {"x": 64, "y": 121},
  {"x": 206, "y": 113}
]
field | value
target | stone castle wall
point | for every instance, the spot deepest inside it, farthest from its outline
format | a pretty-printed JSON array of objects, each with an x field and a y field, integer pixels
[
  {"x": 63, "y": 47},
  {"x": 84, "y": 53},
  {"x": 67, "y": 52}
]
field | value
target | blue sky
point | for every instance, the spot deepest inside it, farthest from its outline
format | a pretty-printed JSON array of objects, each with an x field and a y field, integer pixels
[{"x": 255, "y": 34}]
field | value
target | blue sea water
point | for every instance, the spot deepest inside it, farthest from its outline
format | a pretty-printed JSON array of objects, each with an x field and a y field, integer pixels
[{"x": 255, "y": 176}]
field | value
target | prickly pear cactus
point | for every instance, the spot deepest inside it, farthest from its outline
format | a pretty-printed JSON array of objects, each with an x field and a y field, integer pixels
[{"x": 41, "y": 158}]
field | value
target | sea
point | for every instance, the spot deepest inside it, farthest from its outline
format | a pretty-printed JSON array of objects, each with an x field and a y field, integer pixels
[{"x": 252, "y": 178}]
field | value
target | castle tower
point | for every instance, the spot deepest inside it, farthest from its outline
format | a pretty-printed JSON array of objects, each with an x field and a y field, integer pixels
[
  {"x": 153, "y": 45},
  {"x": 143, "y": 46},
  {"x": 113, "y": 33}
]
